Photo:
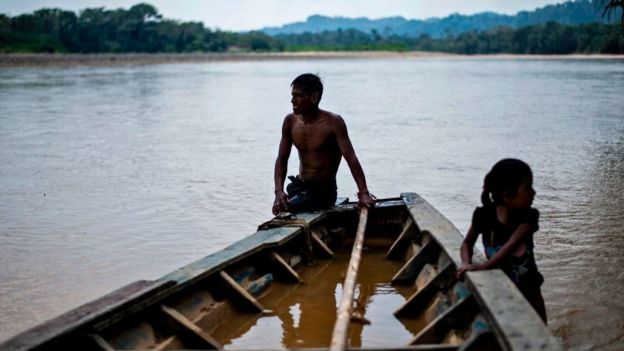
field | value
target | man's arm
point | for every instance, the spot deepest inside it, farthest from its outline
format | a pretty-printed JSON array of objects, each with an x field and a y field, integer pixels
[
  {"x": 281, "y": 167},
  {"x": 346, "y": 148}
]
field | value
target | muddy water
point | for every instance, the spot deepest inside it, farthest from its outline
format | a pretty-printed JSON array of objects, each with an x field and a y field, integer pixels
[
  {"x": 113, "y": 174},
  {"x": 304, "y": 315}
]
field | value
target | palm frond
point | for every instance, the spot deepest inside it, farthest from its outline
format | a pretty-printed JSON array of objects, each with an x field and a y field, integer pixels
[{"x": 611, "y": 7}]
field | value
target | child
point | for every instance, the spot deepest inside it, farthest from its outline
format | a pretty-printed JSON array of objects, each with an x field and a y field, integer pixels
[{"x": 507, "y": 223}]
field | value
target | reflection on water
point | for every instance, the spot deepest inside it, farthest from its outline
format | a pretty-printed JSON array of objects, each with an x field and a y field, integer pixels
[
  {"x": 305, "y": 314},
  {"x": 113, "y": 174}
]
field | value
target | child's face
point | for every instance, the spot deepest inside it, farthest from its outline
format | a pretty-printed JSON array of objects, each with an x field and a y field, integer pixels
[{"x": 524, "y": 196}]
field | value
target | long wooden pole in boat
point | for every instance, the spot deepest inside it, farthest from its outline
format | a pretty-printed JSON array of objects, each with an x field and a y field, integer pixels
[{"x": 341, "y": 328}]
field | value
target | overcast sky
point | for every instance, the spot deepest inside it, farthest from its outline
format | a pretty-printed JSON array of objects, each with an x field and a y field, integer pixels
[{"x": 239, "y": 15}]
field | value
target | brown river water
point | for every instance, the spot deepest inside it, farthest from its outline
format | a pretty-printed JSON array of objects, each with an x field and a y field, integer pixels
[
  {"x": 303, "y": 316},
  {"x": 112, "y": 174}
]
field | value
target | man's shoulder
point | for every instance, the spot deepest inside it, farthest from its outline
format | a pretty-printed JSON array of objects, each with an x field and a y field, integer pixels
[
  {"x": 289, "y": 119},
  {"x": 332, "y": 118},
  {"x": 330, "y": 114}
]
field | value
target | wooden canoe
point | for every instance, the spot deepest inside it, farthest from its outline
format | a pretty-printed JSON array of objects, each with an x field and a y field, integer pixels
[{"x": 278, "y": 289}]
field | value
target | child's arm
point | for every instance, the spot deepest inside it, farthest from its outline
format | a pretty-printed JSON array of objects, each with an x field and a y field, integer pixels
[
  {"x": 467, "y": 245},
  {"x": 466, "y": 251},
  {"x": 508, "y": 248}
]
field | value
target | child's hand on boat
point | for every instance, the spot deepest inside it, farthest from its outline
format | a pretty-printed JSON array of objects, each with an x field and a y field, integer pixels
[{"x": 465, "y": 267}]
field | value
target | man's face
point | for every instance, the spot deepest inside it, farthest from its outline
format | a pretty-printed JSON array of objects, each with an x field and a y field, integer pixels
[{"x": 302, "y": 101}]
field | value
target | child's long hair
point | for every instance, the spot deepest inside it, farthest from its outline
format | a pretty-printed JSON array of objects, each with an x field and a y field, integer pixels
[{"x": 505, "y": 178}]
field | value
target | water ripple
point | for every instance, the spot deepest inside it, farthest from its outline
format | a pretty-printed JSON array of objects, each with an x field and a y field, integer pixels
[{"x": 113, "y": 174}]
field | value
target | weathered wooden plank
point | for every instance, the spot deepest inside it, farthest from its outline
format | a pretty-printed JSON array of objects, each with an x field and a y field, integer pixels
[
  {"x": 262, "y": 239},
  {"x": 456, "y": 317},
  {"x": 189, "y": 332},
  {"x": 103, "y": 311},
  {"x": 412, "y": 267},
  {"x": 421, "y": 297},
  {"x": 381, "y": 203},
  {"x": 285, "y": 269},
  {"x": 165, "y": 345},
  {"x": 343, "y": 318},
  {"x": 400, "y": 244},
  {"x": 484, "y": 341},
  {"x": 427, "y": 273},
  {"x": 325, "y": 251},
  {"x": 443, "y": 231},
  {"x": 243, "y": 297},
  {"x": 515, "y": 321},
  {"x": 101, "y": 343}
]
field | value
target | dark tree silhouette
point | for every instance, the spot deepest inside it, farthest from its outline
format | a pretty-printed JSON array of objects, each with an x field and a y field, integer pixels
[{"x": 611, "y": 8}]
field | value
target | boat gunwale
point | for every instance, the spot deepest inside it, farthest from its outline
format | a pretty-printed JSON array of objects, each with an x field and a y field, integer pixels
[{"x": 524, "y": 329}]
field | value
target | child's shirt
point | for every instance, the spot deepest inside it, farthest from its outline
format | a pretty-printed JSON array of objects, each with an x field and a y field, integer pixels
[{"x": 520, "y": 265}]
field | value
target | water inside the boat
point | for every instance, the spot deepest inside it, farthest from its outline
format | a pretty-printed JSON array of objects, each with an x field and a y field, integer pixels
[{"x": 304, "y": 314}]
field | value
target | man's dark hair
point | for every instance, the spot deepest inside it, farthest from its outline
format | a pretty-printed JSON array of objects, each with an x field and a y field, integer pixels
[{"x": 310, "y": 83}]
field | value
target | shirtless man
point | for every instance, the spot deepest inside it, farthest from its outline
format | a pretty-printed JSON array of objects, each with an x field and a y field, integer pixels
[{"x": 321, "y": 140}]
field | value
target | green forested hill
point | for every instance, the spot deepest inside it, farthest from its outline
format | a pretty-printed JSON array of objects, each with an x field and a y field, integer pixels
[{"x": 570, "y": 12}]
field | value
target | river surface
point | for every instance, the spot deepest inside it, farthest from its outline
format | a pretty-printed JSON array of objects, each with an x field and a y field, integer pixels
[{"x": 112, "y": 174}]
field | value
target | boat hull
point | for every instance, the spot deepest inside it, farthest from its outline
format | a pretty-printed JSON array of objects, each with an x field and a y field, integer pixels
[{"x": 277, "y": 289}]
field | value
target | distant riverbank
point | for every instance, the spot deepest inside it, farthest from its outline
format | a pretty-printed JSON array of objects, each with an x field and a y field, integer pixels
[
  {"x": 21, "y": 60},
  {"x": 29, "y": 60}
]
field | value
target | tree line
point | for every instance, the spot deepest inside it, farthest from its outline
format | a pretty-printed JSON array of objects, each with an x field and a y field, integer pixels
[
  {"x": 142, "y": 29},
  {"x": 548, "y": 38},
  {"x": 138, "y": 29}
]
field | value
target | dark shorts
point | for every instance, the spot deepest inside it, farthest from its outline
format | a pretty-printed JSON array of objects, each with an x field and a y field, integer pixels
[{"x": 310, "y": 196}]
